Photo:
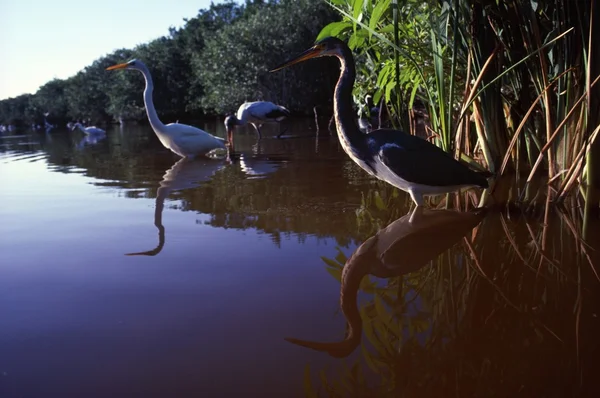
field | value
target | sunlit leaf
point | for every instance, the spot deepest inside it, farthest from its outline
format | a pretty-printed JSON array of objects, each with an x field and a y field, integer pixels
[
  {"x": 380, "y": 8},
  {"x": 357, "y": 8},
  {"x": 356, "y": 41},
  {"x": 334, "y": 29}
]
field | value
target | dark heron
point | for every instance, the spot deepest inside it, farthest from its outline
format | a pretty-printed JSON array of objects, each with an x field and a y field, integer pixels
[{"x": 402, "y": 160}]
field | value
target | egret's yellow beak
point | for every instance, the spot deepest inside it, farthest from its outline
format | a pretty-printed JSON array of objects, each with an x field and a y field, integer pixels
[
  {"x": 312, "y": 52},
  {"x": 118, "y": 66}
]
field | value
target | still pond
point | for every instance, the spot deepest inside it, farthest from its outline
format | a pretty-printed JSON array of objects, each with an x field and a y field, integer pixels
[{"x": 125, "y": 272}]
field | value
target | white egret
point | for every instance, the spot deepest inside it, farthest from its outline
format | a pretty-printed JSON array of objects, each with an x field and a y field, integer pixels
[
  {"x": 88, "y": 130},
  {"x": 256, "y": 113},
  {"x": 186, "y": 141}
]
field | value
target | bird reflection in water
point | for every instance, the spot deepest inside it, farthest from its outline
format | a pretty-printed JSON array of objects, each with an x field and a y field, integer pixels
[
  {"x": 90, "y": 140},
  {"x": 257, "y": 165},
  {"x": 184, "y": 174},
  {"x": 404, "y": 246}
]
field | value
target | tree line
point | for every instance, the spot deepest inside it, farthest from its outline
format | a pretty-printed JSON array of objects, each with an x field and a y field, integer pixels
[{"x": 213, "y": 63}]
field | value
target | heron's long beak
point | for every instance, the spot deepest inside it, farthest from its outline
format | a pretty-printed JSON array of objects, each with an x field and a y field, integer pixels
[
  {"x": 312, "y": 52},
  {"x": 118, "y": 66}
]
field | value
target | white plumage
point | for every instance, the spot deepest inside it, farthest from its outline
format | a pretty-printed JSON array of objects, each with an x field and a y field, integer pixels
[
  {"x": 88, "y": 130},
  {"x": 256, "y": 167},
  {"x": 184, "y": 140},
  {"x": 257, "y": 113}
]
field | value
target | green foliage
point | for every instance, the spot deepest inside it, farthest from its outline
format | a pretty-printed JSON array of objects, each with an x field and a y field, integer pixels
[
  {"x": 50, "y": 99},
  {"x": 13, "y": 110},
  {"x": 235, "y": 64},
  {"x": 503, "y": 83}
]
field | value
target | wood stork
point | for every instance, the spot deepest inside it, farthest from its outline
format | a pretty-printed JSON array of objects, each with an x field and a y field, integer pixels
[
  {"x": 256, "y": 113},
  {"x": 89, "y": 129}
]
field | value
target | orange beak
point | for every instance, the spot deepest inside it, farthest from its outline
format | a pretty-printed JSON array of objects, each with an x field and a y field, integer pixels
[
  {"x": 312, "y": 52},
  {"x": 117, "y": 66}
]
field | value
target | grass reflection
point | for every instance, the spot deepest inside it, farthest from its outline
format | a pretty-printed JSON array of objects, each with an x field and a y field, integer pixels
[{"x": 511, "y": 310}]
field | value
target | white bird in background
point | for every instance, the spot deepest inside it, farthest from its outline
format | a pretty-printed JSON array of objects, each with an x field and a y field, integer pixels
[
  {"x": 88, "y": 130},
  {"x": 256, "y": 113},
  {"x": 186, "y": 141}
]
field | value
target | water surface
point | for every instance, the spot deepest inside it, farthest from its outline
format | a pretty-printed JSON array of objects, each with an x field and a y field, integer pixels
[{"x": 125, "y": 272}]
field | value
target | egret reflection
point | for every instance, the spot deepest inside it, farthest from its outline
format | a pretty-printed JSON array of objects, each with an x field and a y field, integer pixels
[
  {"x": 402, "y": 247},
  {"x": 184, "y": 174}
]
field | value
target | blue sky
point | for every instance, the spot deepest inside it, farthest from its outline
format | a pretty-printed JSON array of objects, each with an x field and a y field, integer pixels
[{"x": 42, "y": 39}]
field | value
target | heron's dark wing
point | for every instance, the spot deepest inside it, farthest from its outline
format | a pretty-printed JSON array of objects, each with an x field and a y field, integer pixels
[
  {"x": 416, "y": 160},
  {"x": 277, "y": 113}
]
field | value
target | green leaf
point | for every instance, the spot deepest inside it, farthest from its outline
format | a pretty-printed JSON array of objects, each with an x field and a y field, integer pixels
[
  {"x": 377, "y": 96},
  {"x": 333, "y": 29},
  {"x": 388, "y": 90},
  {"x": 357, "y": 8},
  {"x": 378, "y": 11},
  {"x": 412, "y": 98},
  {"x": 387, "y": 29},
  {"x": 356, "y": 41}
]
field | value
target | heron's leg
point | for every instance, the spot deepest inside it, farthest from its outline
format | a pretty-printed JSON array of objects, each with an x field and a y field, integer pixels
[
  {"x": 416, "y": 214},
  {"x": 281, "y": 132},
  {"x": 417, "y": 197},
  {"x": 257, "y": 128}
]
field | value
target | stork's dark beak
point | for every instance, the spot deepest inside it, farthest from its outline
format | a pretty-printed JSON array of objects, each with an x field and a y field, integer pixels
[
  {"x": 312, "y": 52},
  {"x": 118, "y": 66}
]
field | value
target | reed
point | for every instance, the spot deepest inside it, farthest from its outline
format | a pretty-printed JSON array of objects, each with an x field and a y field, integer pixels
[
  {"x": 510, "y": 85},
  {"x": 485, "y": 316}
]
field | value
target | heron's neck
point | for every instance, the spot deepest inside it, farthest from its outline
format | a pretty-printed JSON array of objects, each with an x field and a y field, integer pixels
[
  {"x": 155, "y": 122},
  {"x": 240, "y": 122},
  {"x": 348, "y": 132}
]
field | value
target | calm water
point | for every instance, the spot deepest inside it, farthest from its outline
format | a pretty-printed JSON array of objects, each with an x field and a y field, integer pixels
[{"x": 125, "y": 272}]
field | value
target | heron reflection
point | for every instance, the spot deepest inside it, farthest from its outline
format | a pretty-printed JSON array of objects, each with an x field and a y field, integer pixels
[
  {"x": 402, "y": 247},
  {"x": 184, "y": 174}
]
